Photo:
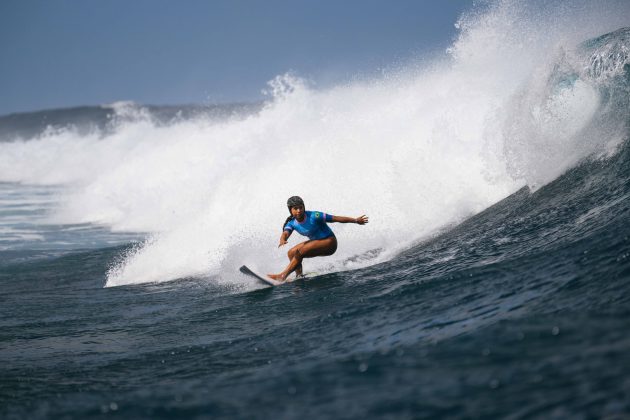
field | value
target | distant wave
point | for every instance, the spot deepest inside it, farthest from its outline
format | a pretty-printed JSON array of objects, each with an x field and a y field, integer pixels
[{"x": 105, "y": 118}]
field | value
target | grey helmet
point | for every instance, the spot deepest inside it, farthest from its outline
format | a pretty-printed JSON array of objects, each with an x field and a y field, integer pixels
[{"x": 294, "y": 201}]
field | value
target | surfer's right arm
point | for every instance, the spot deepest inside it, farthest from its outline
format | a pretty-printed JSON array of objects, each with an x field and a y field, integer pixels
[{"x": 284, "y": 237}]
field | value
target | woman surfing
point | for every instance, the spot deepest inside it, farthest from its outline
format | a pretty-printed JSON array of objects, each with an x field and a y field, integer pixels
[{"x": 312, "y": 224}]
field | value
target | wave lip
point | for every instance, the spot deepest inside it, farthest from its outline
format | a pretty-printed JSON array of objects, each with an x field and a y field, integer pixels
[
  {"x": 573, "y": 109},
  {"x": 609, "y": 54}
]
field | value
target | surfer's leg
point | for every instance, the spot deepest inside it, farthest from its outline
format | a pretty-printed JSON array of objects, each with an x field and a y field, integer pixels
[
  {"x": 318, "y": 248},
  {"x": 295, "y": 263},
  {"x": 308, "y": 249},
  {"x": 291, "y": 255}
]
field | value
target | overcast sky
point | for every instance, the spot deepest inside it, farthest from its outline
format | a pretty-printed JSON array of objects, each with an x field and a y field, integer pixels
[{"x": 60, "y": 53}]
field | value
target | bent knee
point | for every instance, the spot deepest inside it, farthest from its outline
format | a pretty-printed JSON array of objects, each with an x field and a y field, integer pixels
[
  {"x": 298, "y": 254},
  {"x": 295, "y": 253},
  {"x": 332, "y": 248}
]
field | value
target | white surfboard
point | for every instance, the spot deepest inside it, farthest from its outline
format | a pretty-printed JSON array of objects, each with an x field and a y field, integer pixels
[{"x": 261, "y": 277}]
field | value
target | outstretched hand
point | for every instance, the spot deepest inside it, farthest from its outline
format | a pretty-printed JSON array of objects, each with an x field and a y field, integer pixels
[
  {"x": 282, "y": 243},
  {"x": 362, "y": 219}
]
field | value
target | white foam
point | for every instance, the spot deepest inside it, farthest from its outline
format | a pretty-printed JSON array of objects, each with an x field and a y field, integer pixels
[{"x": 417, "y": 149}]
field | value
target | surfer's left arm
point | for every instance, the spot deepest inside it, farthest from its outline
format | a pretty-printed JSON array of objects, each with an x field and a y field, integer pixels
[{"x": 361, "y": 220}]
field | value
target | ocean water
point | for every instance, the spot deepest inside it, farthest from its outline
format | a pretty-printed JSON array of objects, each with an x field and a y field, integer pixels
[{"x": 493, "y": 279}]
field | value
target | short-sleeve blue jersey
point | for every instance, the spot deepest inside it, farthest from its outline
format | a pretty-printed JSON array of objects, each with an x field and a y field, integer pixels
[{"x": 313, "y": 226}]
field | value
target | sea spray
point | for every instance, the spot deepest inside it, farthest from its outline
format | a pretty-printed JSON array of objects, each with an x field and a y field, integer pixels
[{"x": 374, "y": 149}]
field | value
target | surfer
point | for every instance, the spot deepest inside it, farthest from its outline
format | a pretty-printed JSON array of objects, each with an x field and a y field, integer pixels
[{"x": 312, "y": 224}]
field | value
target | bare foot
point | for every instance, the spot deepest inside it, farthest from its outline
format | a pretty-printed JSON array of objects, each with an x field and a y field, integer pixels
[{"x": 276, "y": 277}]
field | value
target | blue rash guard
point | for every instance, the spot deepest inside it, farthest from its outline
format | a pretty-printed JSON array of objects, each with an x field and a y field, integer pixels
[{"x": 313, "y": 226}]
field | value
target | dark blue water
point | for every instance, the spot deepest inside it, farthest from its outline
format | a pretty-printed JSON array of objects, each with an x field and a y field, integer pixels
[{"x": 522, "y": 311}]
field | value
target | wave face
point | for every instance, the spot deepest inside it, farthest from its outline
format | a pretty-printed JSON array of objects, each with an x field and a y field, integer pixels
[{"x": 492, "y": 281}]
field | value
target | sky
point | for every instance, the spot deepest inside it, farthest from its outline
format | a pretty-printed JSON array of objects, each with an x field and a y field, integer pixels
[{"x": 64, "y": 53}]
